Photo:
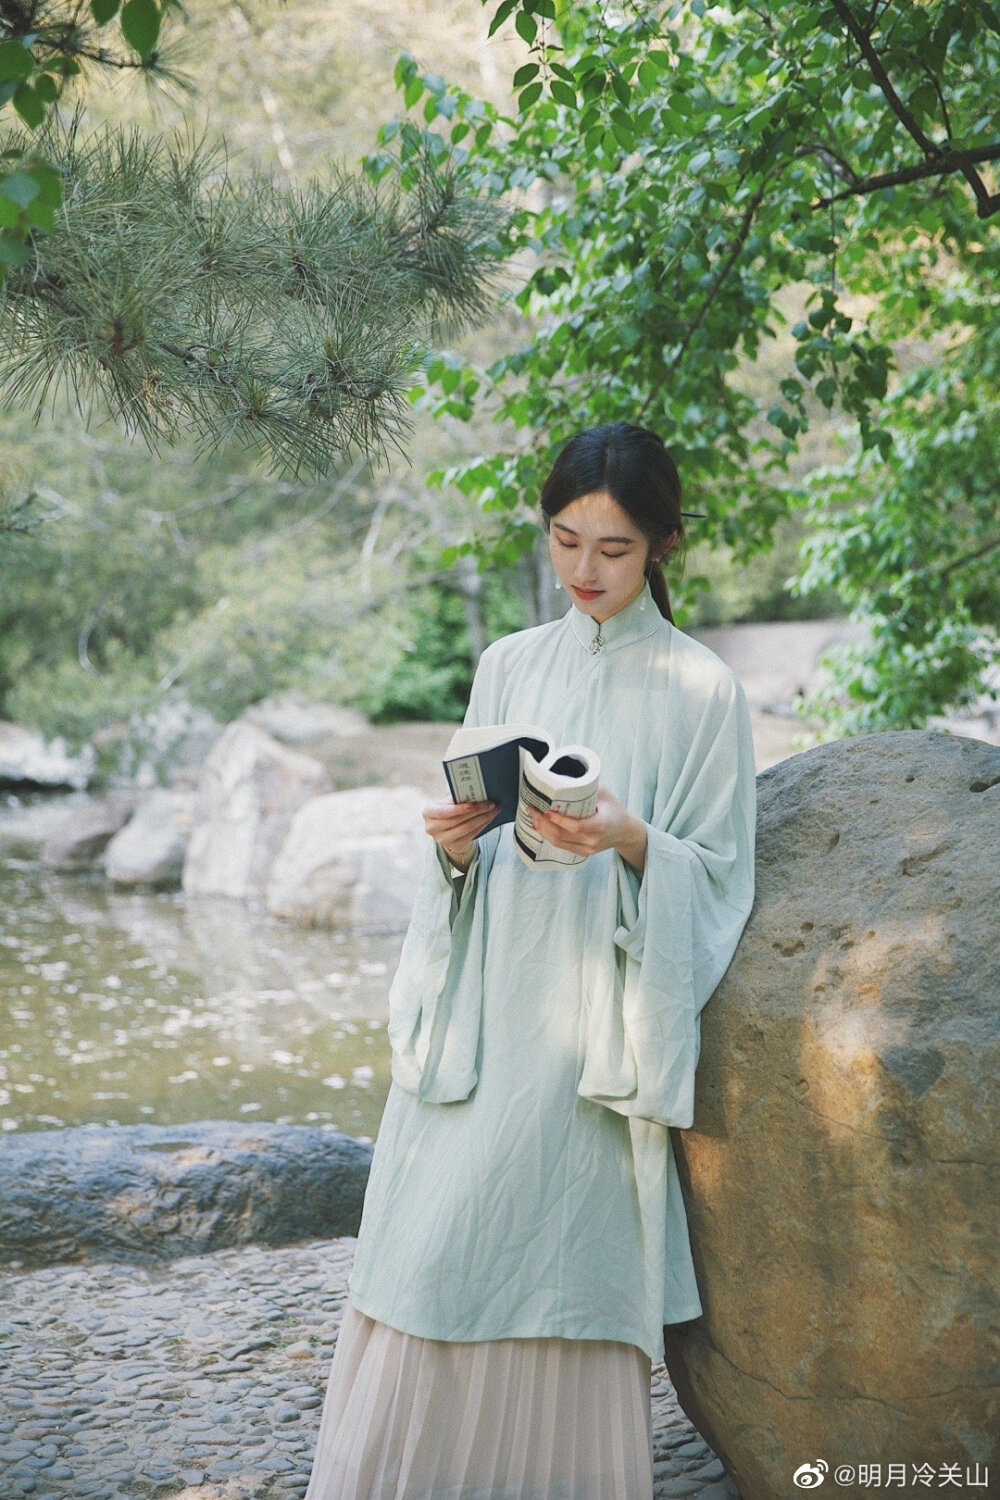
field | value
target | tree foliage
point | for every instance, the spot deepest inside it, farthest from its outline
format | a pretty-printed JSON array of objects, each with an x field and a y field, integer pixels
[
  {"x": 678, "y": 169},
  {"x": 44, "y": 46},
  {"x": 143, "y": 274}
]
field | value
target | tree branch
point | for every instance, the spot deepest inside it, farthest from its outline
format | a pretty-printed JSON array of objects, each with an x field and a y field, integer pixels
[
  {"x": 986, "y": 203},
  {"x": 968, "y": 557},
  {"x": 882, "y": 78},
  {"x": 727, "y": 265},
  {"x": 943, "y": 164}
]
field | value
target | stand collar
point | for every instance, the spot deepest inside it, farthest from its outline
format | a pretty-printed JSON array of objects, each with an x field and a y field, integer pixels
[{"x": 638, "y": 619}]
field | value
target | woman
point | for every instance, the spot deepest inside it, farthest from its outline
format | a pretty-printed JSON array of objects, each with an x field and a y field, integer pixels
[{"x": 524, "y": 1238}]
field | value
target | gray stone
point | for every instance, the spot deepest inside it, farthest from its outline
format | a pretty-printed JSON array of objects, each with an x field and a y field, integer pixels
[
  {"x": 79, "y": 841},
  {"x": 27, "y": 760},
  {"x": 295, "y": 721},
  {"x": 838, "y": 1172},
  {"x": 139, "y": 1192},
  {"x": 150, "y": 849},
  {"x": 351, "y": 857},
  {"x": 250, "y": 787}
]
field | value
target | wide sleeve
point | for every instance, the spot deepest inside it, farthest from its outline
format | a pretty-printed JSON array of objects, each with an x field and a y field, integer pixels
[
  {"x": 435, "y": 999},
  {"x": 676, "y": 928}
]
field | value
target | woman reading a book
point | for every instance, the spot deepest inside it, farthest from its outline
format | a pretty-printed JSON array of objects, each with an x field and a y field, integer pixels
[{"x": 524, "y": 1238}]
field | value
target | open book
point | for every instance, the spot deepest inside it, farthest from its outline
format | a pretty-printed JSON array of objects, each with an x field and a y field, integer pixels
[{"x": 518, "y": 766}]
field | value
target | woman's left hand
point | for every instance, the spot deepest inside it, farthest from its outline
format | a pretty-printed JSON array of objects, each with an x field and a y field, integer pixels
[{"x": 610, "y": 826}]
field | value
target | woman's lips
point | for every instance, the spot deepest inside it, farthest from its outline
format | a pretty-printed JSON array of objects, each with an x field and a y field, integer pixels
[{"x": 587, "y": 593}]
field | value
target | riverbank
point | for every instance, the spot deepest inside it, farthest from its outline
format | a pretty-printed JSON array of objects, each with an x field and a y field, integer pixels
[{"x": 204, "y": 1378}]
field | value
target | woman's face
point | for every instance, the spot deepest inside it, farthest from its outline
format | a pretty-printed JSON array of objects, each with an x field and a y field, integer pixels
[{"x": 598, "y": 554}]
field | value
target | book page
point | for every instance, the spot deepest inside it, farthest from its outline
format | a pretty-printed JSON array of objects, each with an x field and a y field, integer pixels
[{"x": 566, "y": 782}]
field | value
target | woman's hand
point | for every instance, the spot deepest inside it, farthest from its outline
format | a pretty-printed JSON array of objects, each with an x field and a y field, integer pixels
[
  {"x": 610, "y": 826},
  {"x": 456, "y": 825}
]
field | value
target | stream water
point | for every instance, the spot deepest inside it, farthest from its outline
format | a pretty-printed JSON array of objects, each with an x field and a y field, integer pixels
[{"x": 159, "y": 1008}]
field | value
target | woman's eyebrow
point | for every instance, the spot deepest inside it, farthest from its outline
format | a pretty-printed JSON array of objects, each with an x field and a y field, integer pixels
[{"x": 561, "y": 527}]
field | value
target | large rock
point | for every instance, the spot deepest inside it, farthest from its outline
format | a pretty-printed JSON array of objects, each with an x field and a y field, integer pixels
[
  {"x": 27, "y": 759},
  {"x": 296, "y": 721},
  {"x": 248, "y": 792},
  {"x": 150, "y": 849},
  {"x": 351, "y": 857},
  {"x": 838, "y": 1174},
  {"x": 81, "y": 838},
  {"x": 140, "y": 1192}
]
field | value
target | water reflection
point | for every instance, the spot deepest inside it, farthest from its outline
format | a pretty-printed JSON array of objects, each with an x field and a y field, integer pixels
[{"x": 124, "y": 1008}]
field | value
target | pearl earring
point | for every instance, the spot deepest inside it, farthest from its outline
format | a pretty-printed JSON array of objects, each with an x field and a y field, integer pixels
[{"x": 558, "y": 584}]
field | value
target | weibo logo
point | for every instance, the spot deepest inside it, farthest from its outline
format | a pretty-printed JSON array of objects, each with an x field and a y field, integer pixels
[{"x": 810, "y": 1476}]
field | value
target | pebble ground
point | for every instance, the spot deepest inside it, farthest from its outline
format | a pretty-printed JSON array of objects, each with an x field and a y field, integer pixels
[{"x": 203, "y": 1379}]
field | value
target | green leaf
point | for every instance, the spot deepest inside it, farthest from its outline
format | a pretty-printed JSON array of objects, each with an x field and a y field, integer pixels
[
  {"x": 562, "y": 93},
  {"x": 49, "y": 183},
  {"x": 16, "y": 60},
  {"x": 41, "y": 215},
  {"x": 525, "y": 75},
  {"x": 103, "y": 10},
  {"x": 141, "y": 25},
  {"x": 502, "y": 12},
  {"x": 527, "y": 97},
  {"x": 29, "y": 106},
  {"x": 20, "y": 187},
  {"x": 13, "y": 252},
  {"x": 526, "y": 26},
  {"x": 46, "y": 88},
  {"x": 649, "y": 75}
]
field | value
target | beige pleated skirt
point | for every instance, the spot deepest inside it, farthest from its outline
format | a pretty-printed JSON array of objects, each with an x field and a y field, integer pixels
[{"x": 408, "y": 1418}]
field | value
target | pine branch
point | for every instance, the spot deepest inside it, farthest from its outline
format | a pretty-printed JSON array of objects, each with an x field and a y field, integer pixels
[{"x": 183, "y": 298}]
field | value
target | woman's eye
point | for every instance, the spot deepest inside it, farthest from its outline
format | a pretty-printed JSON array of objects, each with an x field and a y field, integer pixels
[{"x": 571, "y": 546}]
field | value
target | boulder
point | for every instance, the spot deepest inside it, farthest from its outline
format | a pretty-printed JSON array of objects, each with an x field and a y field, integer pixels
[
  {"x": 351, "y": 857},
  {"x": 155, "y": 1192},
  {"x": 26, "y": 759},
  {"x": 79, "y": 840},
  {"x": 28, "y": 819},
  {"x": 150, "y": 849},
  {"x": 837, "y": 1175},
  {"x": 249, "y": 789},
  {"x": 295, "y": 721}
]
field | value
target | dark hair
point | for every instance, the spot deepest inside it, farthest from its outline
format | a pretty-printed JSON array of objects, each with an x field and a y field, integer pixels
[{"x": 634, "y": 467}]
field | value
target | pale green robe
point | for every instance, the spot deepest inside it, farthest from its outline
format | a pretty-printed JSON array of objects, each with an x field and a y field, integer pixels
[{"x": 545, "y": 1024}]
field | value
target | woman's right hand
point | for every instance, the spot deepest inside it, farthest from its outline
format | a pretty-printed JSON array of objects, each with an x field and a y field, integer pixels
[{"x": 456, "y": 825}]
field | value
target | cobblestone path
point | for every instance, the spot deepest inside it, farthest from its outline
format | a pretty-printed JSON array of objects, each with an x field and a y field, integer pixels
[{"x": 203, "y": 1379}]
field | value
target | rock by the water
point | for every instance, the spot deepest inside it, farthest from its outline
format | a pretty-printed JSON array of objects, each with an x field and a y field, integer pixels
[
  {"x": 351, "y": 857},
  {"x": 150, "y": 849},
  {"x": 79, "y": 841},
  {"x": 838, "y": 1173},
  {"x": 141, "y": 1192},
  {"x": 295, "y": 721},
  {"x": 249, "y": 789},
  {"x": 27, "y": 760}
]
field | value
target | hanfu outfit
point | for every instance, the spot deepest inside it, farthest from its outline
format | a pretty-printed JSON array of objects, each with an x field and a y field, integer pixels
[{"x": 524, "y": 1236}]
